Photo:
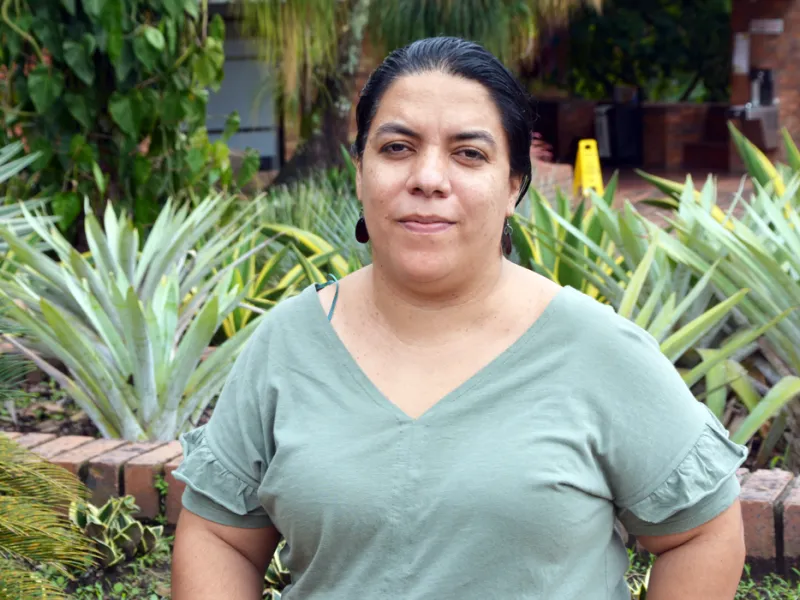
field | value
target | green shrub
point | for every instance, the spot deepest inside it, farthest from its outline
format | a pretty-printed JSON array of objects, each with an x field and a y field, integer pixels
[{"x": 112, "y": 95}]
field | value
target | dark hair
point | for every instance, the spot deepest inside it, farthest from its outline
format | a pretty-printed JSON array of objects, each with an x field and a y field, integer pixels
[{"x": 462, "y": 58}]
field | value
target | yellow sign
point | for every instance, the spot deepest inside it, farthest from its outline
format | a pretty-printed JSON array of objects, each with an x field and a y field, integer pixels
[{"x": 588, "y": 175}]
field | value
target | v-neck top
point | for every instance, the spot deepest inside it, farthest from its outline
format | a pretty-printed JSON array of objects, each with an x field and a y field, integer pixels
[{"x": 508, "y": 487}]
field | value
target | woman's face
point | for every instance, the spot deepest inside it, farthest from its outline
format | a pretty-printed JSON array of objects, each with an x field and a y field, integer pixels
[{"x": 434, "y": 178}]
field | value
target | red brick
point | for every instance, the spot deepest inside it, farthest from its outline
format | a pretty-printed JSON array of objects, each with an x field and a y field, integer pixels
[
  {"x": 174, "y": 491},
  {"x": 65, "y": 443},
  {"x": 12, "y": 435},
  {"x": 31, "y": 440},
  {"x": 742, "y": 475},
  {"x": 104, "y": 473},
  {"x": 140, "y": 476},
  {"x": 759, "y": 495},
  {"x": 791, "y": 527},
  {"x": 75, "y": 460}
]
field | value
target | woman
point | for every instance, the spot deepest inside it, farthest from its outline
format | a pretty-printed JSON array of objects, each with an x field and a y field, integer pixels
[{"x": 444, "y": 424}]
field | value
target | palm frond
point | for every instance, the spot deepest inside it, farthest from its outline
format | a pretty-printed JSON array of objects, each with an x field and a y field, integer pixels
[
  {"x": 36, "y": 533},
  {"x": 34, "y": 528},
  {"x": 24, "y": 474},
  {"x": 17, "y": 582}
]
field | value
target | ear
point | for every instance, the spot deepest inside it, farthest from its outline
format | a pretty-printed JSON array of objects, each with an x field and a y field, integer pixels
[{"x": 515, "y": 187}]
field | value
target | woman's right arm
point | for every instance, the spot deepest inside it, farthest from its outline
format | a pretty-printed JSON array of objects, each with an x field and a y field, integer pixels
[{"x": 211, "y": 561}]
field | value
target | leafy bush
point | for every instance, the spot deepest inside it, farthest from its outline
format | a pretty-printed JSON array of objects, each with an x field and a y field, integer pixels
[
  {"x": 34, "y": 495},
  {"x": 131, "y": 326},
  {"x": 112, "y": 95},
  {"x": 117, "y": 535}
]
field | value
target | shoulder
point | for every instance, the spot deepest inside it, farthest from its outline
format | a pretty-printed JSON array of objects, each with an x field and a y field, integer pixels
[
  {"x": 595, "y": 328},
  {"x": 613, "y": 362},
  {"x": 287, "y": 320}
]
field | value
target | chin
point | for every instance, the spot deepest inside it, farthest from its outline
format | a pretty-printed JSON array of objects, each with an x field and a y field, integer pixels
[{"x": 425, "y": 267}]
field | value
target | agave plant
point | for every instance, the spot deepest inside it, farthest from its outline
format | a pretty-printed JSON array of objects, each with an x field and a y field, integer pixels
[
  {"x": 312, "y": 224},
  {"x": 761, "y": 251},
  {"x": 130, "y": 326},
  {"x": 545, "y": 239},
  {"x": 34, "y": 531},
  {"x": 10, "y": 214},
  {"x": 617, "y": 257}
]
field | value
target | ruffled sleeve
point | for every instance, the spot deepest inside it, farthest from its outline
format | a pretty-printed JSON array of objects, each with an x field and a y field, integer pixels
[
  {"x": 212, "y": 490},
  {"x": 225, "y": 460},
  {"x": 701, "y": 486}
]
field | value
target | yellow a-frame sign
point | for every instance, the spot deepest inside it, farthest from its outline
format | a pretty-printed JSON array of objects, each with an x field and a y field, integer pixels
[{"x": 588, "y": 175}]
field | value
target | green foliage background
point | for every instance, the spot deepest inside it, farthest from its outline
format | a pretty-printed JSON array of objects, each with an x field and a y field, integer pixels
[
  {"x": 113, "y": 95},
  {"x": 676, "y": 50}
]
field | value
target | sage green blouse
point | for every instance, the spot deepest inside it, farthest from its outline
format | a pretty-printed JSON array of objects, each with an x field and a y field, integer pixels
[{"x": 507, "y": 488}]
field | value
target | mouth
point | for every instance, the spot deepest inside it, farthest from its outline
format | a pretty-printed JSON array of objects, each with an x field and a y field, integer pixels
[{"x": 425, "y": 224}]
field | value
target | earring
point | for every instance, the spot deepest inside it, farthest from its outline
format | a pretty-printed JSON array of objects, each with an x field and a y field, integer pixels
[
  {"x": 362, "y": 235},
  {"x": 506, "y": 239}
]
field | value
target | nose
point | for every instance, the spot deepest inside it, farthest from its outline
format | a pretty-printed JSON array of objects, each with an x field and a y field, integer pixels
[{"x": 429, "y": 175}]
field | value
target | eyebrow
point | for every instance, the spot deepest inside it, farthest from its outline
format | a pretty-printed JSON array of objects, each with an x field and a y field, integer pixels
[{"x": 397, "y": 128}]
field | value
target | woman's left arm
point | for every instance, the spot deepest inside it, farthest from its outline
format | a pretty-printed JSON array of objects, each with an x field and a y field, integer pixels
[{"x": 702, "y": 563}]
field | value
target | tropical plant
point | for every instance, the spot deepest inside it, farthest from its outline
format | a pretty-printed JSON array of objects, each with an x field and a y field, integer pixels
[
  {"x": 277, "y": 576},
  {"x": 131, "y": 326},
  {"x": 34, "y": 532},
  {"x": 11, "y": 214},
  {"x": 117, "y": 535},
  {"x": 760, "y": 250},
  {"x": 324, "y": 205},
  {"x": 616, "y": 257},
  {"x": 113, "y": 97},
  {"x": 316, "y": 75},
  {"x": 638, "y": 586},
  {"x": 312, "y": 221}
]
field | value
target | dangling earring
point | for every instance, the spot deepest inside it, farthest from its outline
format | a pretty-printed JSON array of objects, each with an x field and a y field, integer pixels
[
  {"x": 362, "y": 235},
  {"x": 506, "y": 239}
]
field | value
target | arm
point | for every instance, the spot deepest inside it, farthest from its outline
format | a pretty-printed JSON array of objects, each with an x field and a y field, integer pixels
[
  {"x": 702, "y": 563},
  {"x": 212, "y": 561}
]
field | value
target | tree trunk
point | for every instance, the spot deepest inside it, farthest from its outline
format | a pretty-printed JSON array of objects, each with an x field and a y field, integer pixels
[{"x": 323, "y": 149}]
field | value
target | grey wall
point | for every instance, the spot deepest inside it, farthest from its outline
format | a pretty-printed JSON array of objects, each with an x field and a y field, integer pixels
[{"x": 246, "y": 88}]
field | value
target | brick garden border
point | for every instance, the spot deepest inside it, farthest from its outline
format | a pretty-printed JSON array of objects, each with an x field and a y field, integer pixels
[
  {"x": 112, "y": 468},
  {"x": 770, "y": 498}
]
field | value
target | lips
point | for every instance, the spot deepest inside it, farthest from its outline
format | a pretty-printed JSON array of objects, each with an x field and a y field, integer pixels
[{"x": 426, "y": 224}]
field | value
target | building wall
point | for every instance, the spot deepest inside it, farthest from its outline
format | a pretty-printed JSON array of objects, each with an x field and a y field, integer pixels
[{"x": 781, "y": 53}]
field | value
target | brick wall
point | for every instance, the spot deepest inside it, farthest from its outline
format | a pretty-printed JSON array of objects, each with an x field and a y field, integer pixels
[
  {"x": 668, "y": 128},
  {"x": 770, "y": 499},
  {"x": 781, "y": 53}
]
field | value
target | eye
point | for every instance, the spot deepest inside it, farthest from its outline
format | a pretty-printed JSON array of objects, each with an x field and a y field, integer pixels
[
  {"x": 472, "y": 154},
  {"x": 394, "y": 148}
]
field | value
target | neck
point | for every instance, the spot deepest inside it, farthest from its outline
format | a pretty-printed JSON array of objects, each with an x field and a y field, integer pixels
[{"x": 438, "y": 312}]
